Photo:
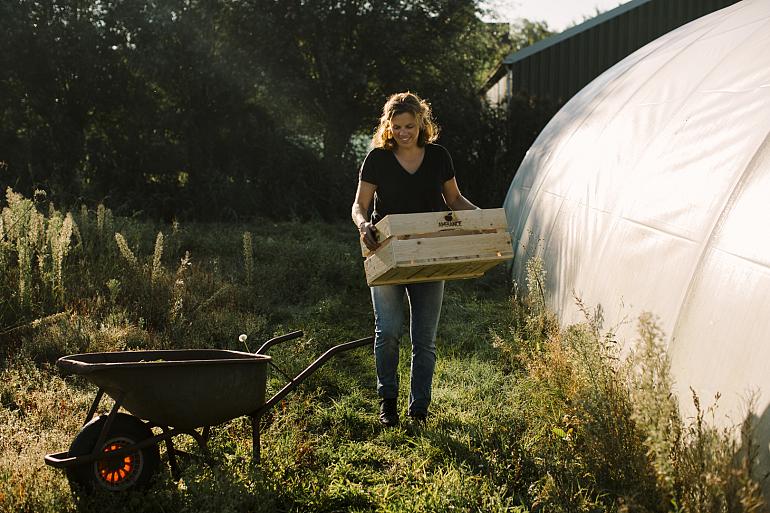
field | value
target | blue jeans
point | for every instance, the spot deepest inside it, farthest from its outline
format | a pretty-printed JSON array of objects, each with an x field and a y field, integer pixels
[{"x": 424, "y": 311}]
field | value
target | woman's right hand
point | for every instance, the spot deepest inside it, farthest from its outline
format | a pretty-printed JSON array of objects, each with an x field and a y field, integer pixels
[{"x": 368, "y": 233}]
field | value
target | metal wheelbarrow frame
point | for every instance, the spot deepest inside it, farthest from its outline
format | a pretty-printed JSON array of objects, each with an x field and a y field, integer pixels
[{"x": 119, "y": 451}]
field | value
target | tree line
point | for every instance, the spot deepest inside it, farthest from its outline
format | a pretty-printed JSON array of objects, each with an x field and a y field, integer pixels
[{"x": 229, "y": 109}]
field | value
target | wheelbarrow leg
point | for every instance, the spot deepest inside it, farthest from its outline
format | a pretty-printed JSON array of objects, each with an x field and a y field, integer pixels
[
  {"x": 94, "y": 406},
  {"x": 110, "y": 419},
  {"x": 203, "y": 444},
  {"x": 175, "y": 473}
]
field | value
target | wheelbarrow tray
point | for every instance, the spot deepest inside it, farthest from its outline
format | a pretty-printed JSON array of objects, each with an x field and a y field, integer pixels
[{"x": 187, "y": 388}]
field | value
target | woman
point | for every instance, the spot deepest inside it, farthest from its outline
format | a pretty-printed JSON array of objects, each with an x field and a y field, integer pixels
[{"x": 405, "y": 173}]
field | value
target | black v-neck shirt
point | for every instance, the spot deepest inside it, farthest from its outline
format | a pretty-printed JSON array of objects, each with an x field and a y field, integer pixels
[{"x": 398, "y": 191}]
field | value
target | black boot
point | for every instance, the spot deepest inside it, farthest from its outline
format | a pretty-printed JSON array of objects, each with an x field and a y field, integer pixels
[
  {"x": 418, "y": 417},
  {"x": 388, "y": 412}
]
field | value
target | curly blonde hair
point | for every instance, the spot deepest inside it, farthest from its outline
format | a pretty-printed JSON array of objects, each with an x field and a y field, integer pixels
[{"x": 400, "y": 103}]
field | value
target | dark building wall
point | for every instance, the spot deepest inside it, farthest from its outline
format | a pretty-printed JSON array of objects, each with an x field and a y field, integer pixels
[{"x": 561, "y": 69}]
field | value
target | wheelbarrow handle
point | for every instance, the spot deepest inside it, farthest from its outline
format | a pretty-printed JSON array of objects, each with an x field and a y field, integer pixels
[
  {"x": 277, "y": 340},
  {"x": 302, "y": 376}
]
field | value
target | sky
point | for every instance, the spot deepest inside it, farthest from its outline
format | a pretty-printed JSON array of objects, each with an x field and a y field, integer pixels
[{"x": 558, "y": 13}]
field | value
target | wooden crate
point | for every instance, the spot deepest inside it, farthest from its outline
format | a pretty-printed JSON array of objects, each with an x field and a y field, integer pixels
[{"x": 437, "y": 246}]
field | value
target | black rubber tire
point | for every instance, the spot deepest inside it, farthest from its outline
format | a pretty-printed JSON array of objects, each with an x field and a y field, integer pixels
[{"x": 134, "y": 471}]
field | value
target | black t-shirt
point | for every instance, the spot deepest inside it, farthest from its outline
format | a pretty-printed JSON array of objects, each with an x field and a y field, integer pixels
[{"x": 398, "y": 191}]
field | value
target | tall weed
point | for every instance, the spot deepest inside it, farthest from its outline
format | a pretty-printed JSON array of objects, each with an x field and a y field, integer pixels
[
  {"x": 152, "y": 291},
  {"x": 248, "y": 258},
  {"x": 33, "y": 251},
  {"x": 157, "y": 254}
]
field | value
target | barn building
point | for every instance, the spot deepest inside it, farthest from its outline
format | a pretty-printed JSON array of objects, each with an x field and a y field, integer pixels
[{"x": 561, "y": 65}]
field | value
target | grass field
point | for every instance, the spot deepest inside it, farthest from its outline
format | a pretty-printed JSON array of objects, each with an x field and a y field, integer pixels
[{"x": 526, "y": 416}]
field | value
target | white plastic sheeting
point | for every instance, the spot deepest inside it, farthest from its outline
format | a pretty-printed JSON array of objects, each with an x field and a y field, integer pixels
[{"x": 650, "y": 191}]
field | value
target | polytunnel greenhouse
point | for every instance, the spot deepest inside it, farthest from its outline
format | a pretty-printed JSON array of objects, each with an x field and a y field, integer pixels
[{"x": 649, "y": 191}]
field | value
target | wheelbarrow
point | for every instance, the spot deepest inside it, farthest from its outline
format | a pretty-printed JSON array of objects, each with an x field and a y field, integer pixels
[{"x": 177, "y": 391}]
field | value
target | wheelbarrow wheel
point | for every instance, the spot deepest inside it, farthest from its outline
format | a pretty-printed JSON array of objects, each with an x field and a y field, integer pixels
[{"x": 134, "y": 470}]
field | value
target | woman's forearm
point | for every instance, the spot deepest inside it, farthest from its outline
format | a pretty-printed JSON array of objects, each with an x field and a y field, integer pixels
[{"x": 357, "y": 213}]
